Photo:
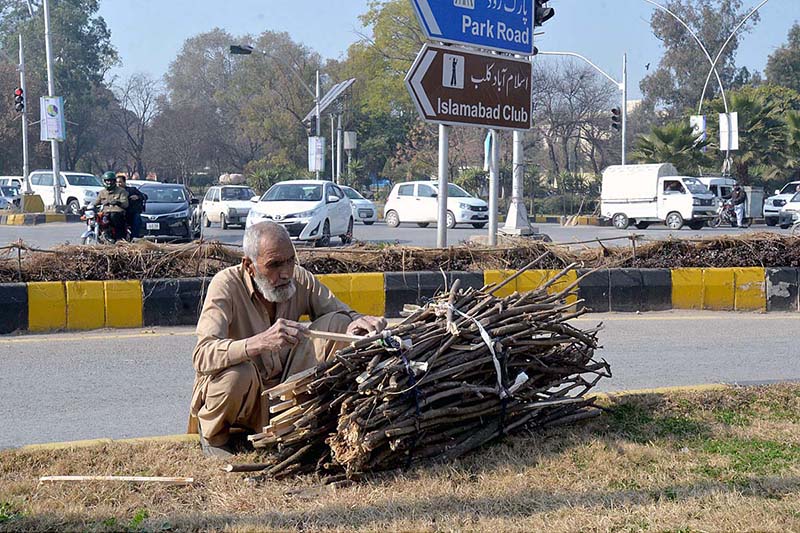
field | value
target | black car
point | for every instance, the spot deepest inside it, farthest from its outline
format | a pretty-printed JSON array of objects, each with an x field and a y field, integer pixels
[{"x": 168, "y": 213}]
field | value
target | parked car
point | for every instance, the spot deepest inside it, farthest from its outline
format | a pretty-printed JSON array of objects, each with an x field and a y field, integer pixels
[
  {"x": 227, "y": 205},
  {"x": 168, "y": 213},
  {"x": 363, "y": 210},
  {"x": 790, "y": 212},
  {"x": 11, "y": 181},
  {"x": 78, "y": 189},
  {"x": 417, "y": 201},
  {"x": 656, "y": 193},
  {"x": 310, "y": 210},
  {"x": 9, "y": 197},
  {"x": 774, "y": 204}
]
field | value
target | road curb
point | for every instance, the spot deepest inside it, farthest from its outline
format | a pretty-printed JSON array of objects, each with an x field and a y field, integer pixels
[
  {"x": 192, "y": 438},
  {"x": 86, "y": 305},
  {"x": 36, "y": 219}
]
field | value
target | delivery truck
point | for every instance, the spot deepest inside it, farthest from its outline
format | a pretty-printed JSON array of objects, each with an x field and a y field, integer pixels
[{"x": 642, "y": 195}]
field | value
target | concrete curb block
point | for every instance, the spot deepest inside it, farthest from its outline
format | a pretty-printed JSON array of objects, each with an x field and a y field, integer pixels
[
  {"x": 192, "y": 438},
  {"x": 36, "y": 219},
  {"x": 75, "y": 306}
]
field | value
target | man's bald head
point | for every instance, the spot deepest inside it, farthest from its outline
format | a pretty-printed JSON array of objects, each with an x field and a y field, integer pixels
[{"x": 266, "y": 235}]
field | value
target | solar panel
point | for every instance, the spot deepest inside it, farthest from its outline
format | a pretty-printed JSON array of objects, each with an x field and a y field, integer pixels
[{"x": 330, "y": 98}]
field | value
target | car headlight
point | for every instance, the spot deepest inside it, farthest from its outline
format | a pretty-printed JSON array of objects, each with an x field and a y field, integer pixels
[
  {"x": 696, "y": 201},
  {"x": 181, "y": 214},
  {"x": 305, "y": 214},
  {"x": 464, "y": 206},
  {"x": 88, "y": 195}
]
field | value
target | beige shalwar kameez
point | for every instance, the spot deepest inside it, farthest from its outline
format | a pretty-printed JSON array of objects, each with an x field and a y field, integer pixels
[{"x": 228, "y": 384}]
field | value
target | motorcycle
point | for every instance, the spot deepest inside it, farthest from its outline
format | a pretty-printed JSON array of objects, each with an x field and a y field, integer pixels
[
  {"x": 98, "y": 227},
  {"x": 726, "y": 214}
]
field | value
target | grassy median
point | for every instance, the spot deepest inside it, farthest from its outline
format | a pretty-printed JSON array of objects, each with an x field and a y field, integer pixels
[{"x": 725, "y": 460}]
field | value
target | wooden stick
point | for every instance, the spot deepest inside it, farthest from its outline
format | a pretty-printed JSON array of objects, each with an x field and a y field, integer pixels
[
  {"x": 131, "y": 479},
  {"x": 328, "y": 336}
]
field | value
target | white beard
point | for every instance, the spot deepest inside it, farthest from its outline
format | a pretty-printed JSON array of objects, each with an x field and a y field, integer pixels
[{"x": 272, "y": 293}]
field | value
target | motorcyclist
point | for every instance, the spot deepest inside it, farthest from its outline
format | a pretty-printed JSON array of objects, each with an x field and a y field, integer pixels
[
  {"x": 114, "y": 201},
  {"x": 136, "y": 201}
]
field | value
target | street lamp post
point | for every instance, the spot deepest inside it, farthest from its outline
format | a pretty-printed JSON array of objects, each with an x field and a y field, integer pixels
[
  {"x": 622, "y": 86},
  {"x": 51, "y": 91},
  {"x": 25, "y": 164},
  {"x": 243, "y": 49}
]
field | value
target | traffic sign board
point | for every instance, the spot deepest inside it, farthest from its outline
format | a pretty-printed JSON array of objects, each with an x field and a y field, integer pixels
[
  {"x": 452, "y": 86},
  {"x": 503, "y": 25}
]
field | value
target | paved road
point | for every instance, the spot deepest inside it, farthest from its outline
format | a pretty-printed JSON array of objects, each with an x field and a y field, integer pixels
[
  {"x": 135, "y": 383},
  {"x": 49, "y": 235}
]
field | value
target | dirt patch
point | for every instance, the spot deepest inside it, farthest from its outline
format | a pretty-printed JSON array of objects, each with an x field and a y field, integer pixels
[
  {"x": 651, "y": 462},
  {"x": 19, "y": 263}
]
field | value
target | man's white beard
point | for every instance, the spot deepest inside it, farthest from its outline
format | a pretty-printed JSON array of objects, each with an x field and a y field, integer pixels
[{"x": 272, "y": 293}]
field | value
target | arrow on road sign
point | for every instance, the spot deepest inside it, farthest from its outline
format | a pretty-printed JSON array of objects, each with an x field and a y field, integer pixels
[
  {"x": 502, "y": 25},
  {"x": 452, "y": 86}
]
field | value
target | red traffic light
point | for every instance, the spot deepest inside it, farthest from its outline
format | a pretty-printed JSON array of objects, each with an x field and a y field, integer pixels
[{"x": 18, "y": 92}]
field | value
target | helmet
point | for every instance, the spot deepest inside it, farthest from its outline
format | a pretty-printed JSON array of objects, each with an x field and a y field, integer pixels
[{"x": 110, "y": 176}]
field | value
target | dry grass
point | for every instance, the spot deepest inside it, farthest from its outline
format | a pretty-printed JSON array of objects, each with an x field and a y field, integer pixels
[{"x": 715, "y": 461}]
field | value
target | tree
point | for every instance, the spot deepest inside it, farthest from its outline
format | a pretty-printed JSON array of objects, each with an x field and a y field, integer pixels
[
  {"x": 674, "y": 143},
  {"x": 138, "y": 106},
  {"x": 793, "y": 140},
  {"x": 783, "y": 66},
  {"x": 677, "y": 82}
]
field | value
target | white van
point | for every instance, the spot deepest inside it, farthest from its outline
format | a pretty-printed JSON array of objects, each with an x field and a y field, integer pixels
[
  {"x": 647, "y": 194},
  {"x": 721, "y": 188}
]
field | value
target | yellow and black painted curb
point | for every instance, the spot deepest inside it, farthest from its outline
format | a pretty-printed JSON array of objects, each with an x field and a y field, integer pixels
[
  {"x": 35, "y": 219},
  {"x": 86, "y": 305}
]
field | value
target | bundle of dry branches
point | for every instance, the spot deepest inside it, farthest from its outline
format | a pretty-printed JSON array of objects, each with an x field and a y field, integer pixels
[{"x": 459, "y": 372}]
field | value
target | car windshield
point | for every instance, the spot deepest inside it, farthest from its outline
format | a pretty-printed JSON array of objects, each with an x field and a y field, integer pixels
[
  {"x": 293, "y": 192},
  {"x": 165, "y": 195},
  {"x": 695, "y": 186},
  {"x": 795, "y": 198},
  {"x": 9, "y": 191},
  {"x": 236, "y": 193},
  {"x": 84, "y": 180},
  {"x": 790, "y": 188},
  {"x": 352, "y": 193}
]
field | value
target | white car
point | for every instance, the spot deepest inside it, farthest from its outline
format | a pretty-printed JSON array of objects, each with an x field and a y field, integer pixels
[
  {"x": 228, "y": 205},
  {"x": 310, "y": 210},
  {"x": 78, "y": 189},
  {"x": 790, "y": 212},
  {"x": 774, "y": 204},
  {"x": 11, "y": 181},
  {"x": 363, "y": 210},
  {"x": 417, "y": 201}
]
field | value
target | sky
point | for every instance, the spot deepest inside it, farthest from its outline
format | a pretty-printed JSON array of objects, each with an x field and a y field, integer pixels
[{"x": 149, "y": 33}]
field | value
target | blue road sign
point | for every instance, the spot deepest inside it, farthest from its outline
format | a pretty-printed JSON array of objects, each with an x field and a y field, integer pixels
[{"x": 502, "y": 25}]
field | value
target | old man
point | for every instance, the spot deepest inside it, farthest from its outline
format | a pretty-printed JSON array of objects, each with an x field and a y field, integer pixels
[{"x": 249, "y": 338}]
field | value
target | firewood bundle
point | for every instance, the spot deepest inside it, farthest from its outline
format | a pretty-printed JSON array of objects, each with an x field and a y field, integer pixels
[{"x": 466, "y": 368}]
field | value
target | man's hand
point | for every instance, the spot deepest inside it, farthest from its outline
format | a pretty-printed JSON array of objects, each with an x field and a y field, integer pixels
[
  {"x": 283, "y": 333},
  {"x": 366, "y": 324}
]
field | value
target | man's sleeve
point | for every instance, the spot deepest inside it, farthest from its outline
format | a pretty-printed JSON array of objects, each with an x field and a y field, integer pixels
[
  {"x": 214, "y": 350},
  {"x": 321, "y": 300},
  {"x": 123, "y": 200}
]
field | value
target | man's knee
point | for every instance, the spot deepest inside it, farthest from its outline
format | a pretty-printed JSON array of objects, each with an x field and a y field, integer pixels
[{"x": 236, "y": 380}]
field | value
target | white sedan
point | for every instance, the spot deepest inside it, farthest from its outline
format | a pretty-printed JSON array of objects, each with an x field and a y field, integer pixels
[
  {"x": 310, "y": 210},
  {"x": 363, "y": 210}
]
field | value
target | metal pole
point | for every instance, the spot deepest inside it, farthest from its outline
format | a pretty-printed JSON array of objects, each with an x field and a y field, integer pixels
[
  {"x": 51, "y": 90},
  {"x": 339, "y": 150},
  {"x": 333, "y": 150},
  {"x": 319, "y": 118},
  {"x": 25, "y": 163},
  {"x": 517, "y": 222},
  {"x": 444, "y": 170},
  {"x": 494, "y": 182},
  {"x": 624, "y": 108}
]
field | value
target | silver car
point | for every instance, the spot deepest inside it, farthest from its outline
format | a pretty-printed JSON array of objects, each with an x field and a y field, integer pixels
[{"x": 363, "y": 210}]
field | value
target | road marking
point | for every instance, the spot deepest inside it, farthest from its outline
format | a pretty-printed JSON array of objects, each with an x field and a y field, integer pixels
[
  {"x": 606, "y": 318},
  {"x": 79, "y": 338}
]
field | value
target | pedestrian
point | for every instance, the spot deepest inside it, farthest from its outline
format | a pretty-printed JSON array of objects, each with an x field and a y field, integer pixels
[
  {"x": 136, "y": 206},
  {"x": 739, "y": 199},
  {"x": 114, "y": 201},
  {"x": 249, "y": 338}
]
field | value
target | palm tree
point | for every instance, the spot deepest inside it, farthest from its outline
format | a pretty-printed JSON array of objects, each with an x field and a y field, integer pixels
[
  {"x": 793, "y": 139},
  {"x": 674, "y": 143}
]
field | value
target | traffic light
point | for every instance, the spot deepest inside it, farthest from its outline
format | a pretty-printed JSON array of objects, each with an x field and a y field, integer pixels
[
  {"x": 312, "y": 127},
  {"x": 542, "y": 13},
  {"x": 616, "y": 119},
  {"x": 19, "y": 100}
]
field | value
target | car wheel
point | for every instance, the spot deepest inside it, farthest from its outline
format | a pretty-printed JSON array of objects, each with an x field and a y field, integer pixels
[
  {"x": 620, "y": 221},
  {"x": 206, "y": 222},
  {"x": 642, "y": 225},
  {"x": 697, "y": 224},
  {"x": 423, "y": 224},
  {"x": 674, "y": 221},
  {"x": 392, "y": 220},
  {"x": 325, "y": 240},
  {"x": 223, "y": 222},
  {"x": 785, "y": 226},
  {"x": 771, "y": 221},
  {"x": 479, "y": 225},
  {"x": 369, "y": 222},
  {"x": 73, "y": 207},
  {"x": 347, "y": 238},
  {"x": 451, "y": 220}
]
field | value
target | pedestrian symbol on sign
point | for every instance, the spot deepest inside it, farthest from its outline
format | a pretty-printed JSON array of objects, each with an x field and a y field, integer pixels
[{"x": 453, "y": 71}]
